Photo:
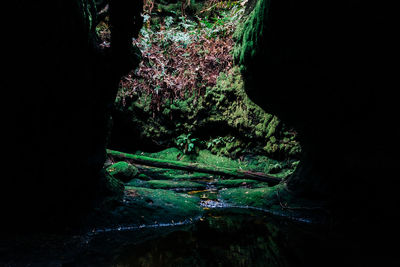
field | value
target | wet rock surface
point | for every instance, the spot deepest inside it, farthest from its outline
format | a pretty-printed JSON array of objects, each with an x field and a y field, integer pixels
[
  {"x": 223, "y": 223},
  {"x": 221, "y": 237}
]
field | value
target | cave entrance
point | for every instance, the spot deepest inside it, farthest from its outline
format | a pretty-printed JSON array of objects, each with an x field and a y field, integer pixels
[{"x": 183, "y": 114}]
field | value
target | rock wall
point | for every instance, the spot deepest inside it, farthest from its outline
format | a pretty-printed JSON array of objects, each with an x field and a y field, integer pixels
[
  {"x": 323, "y": 67},
  {"x": 224, "y": 118},
  {"x": 60, "y": 86}
]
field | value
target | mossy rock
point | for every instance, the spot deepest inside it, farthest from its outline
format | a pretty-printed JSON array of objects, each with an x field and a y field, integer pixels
[
  {"x": 110, "y": 190},
  {"x": 165, "y": 184},
  {"x": 276, "y": 200},
  {"x": 258, "y": 197},
  {"x": 143, "y": 176},
  {"x": 239, "y": 183},
  {"x": 144, "y": 206},
  {"x": 123, "y": 171},
  {"x": 224, "y": 114}
]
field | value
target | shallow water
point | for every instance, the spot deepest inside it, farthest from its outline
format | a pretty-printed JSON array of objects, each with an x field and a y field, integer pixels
[
  {"x": 238, "y": 237},
  {"x": 225, "y": 235},
  {"x": 221, "y": 237}
]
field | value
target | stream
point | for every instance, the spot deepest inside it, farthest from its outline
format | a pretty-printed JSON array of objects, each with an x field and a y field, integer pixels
[{"x": 224, "y": 235}]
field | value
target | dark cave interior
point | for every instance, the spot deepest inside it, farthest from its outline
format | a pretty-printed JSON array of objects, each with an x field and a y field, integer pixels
[{"x": 323, "y": 67}]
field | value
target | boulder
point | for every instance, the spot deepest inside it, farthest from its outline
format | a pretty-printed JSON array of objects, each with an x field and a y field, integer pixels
[{"x": 123, "y": 171}]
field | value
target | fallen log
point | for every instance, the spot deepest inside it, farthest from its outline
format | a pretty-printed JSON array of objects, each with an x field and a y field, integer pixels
[{"x": 193, "y": 167}]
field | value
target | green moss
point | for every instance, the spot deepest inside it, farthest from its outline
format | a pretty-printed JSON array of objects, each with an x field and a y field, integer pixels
[
  {"x": 164, "y": 184},
  {"x": 206, "y": 157},
  {"x": 239, "y": 182},
  {"x": 168, "y": 154},
  {"x": 240, "y": 113},
  {"x": 157, "y": 205},
  {"x": 223, "y": 110},
  {"x": 271, "y": 147},
  {"x": 167, "y": 184},
  {"x": 110, "y": 189},
  {"x": 123, "y": 171},
  {"x": 257, "y": 163},
  {"x": 170, "y": 174},
  {"x": 203, "y": 157},
  {"x": 143, "y": 176},
  {"x": 182, "y": 175},
  {"x": 248, "y": 36},
  {"x": 275, "y": 199},
  {"x": 258, "y": 197},
  {"x": 170, "y": 9},
  {"x": 224, "y": 106}
]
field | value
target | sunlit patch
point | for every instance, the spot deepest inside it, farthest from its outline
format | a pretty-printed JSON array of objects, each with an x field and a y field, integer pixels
[{"x": 196, "y": 192}]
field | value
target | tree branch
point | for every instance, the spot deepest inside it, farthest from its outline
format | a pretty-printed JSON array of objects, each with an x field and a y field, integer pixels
[{"x": 194, "y": 167}]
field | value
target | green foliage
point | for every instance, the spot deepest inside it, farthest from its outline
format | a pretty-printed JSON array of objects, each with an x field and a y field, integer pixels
[
  {"x": 223, "y": 22},
  {"x": 187, "y": 83},
  {"x": 259, "y": 197},
  {"x": 225, "y": 105},
  {"x": 180, "y": 60},
  {"x": 168, "y": 184},
  {"x": 181, "y": 31},
  {"x": 214, "y": 142},
  {"x": 187, "y": 144},
  {"x": 184, "y": 31},
  {"x": 219, "y": 141},
  {"x": 257, "y": 163},
  {"x": 239, "y": 183}
]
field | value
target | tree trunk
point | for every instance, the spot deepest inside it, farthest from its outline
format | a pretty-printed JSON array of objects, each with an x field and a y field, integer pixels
[{"x": 194, "y": 167}]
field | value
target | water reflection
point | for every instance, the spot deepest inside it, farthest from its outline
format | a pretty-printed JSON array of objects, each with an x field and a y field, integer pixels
[
  {"x": 222, "y": 237},
  {"x": 235, "y": 237}
]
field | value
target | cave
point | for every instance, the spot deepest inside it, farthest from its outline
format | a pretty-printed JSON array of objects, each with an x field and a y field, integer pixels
[{"x": 322, "y": 68}]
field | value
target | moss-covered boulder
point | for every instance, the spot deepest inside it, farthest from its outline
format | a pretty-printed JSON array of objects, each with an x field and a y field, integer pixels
[
  {"x": 123, "y": 171},
  {"x": 150, "y": 206},
  {"x": 259, "y": 197},
  {"x": 276, "y": 200},
  {"x": 111, "y": 190},
  {"x": 239, "y": 183}
]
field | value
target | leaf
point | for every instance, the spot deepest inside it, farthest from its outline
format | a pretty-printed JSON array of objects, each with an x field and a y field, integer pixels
[{"x": 190, "y": 147}]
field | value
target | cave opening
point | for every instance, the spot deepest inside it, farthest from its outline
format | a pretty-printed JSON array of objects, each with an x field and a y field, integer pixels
[
  {"x": 187, "y": 95},
  {"x": 183, "y": 118}
]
